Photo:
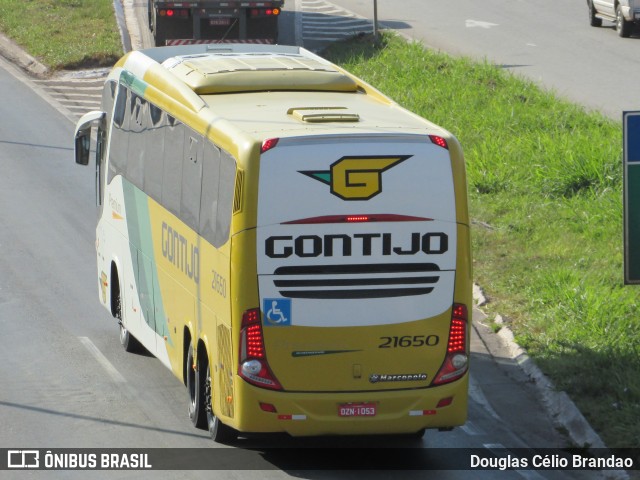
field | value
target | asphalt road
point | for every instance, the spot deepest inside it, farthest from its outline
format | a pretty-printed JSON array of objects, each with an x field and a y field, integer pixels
[
  {"x": 65, "y": 381},
  {"x": 547, "y": 41}
]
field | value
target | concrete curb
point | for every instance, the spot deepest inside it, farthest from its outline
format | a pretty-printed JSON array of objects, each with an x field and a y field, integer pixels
[
  {"x": 558, "y": 405},
  {"x": 16, "y": 55}
]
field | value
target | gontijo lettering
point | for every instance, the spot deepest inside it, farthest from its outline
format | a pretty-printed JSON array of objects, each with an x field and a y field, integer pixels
[
  {"x": 183, "y": 255},
  {"x": 358, "y": 244}
]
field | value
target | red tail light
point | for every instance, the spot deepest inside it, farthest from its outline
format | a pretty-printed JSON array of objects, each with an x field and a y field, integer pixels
[
  {"x": 456, "y": 362},
  {"x": 253, "y": 366},
  {"x": 375, "y": 217},
  {"x": 268, "y": 12},
  {"x": 171, "y": 12},
  {"x": 268, "y": 144},
  {"x": 441, "y": 142}
]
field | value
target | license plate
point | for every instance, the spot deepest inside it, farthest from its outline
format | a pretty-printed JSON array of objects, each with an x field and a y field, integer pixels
[
  {"x": 216, "y": 22},
  {"x": 357, "y": 410}
]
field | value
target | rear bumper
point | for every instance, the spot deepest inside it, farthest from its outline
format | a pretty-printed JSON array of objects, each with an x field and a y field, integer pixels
[{"x": 312, "y": 414}]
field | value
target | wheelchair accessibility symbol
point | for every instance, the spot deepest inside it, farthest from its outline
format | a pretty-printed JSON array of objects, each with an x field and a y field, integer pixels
[{"x": 277, "y": 312}]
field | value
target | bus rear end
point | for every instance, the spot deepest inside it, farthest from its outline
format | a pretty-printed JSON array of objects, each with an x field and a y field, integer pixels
[{"x": 361, "y": 320}]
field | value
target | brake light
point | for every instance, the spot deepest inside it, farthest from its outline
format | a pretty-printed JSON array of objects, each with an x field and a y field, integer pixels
[
  {"x": 440, "y": 141},
  {"x": 268, "y": 144},
  {"x": 377, "y": 217},
  {"x": 456, "y": 362},
  {"x": 171, "y": 12},
  {"x": 269, "y": 12},
  {"x": 253, "y": 366}
]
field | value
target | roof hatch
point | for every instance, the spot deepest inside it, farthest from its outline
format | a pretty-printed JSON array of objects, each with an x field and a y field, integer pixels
[{"x": 210, "y": 73}]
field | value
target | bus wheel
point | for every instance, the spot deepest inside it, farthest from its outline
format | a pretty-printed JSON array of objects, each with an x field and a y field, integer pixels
[
  {"x": 219, "y": 432},
  {"x": 128, "y": 341},
  {"x": 195, "y": 387}
]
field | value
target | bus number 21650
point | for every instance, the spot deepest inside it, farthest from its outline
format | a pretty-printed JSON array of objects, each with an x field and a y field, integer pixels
[{"x": 409, "y": 341}]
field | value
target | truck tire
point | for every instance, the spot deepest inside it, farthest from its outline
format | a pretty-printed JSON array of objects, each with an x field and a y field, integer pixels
[
  {"x": 593, "y": 20},
  {"x": 623, "y": 27}
]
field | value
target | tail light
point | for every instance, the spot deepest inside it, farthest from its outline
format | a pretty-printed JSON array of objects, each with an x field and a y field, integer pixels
[
  {"x": 376, "y": 217},
  {"x": 440, "y": 141},
  {"x": 173, "y": 12},
  {"x": 456, "y": 362},
  {"x": 268, "y": 144},
  {"x": 253, "y": 366},
  {"x": 260, "y": 12}
]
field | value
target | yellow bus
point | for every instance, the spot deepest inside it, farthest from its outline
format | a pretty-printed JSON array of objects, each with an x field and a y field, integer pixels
[{"x": 290, "y": 242}]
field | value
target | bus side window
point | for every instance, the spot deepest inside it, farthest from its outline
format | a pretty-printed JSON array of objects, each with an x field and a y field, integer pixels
[
  {"x": 154, "y": 153},
  {"x": 120, "y": 135},
  {"x": 209, "y": 199},
  {"x": 225, "y": 197},
  {"x": 172, "y": 172},
  {"x": 108, "y": 98},
  {"x": 191, "y": 179},
  {"x": 218, "y": 186},
  {"x": 136, "y": 151}
]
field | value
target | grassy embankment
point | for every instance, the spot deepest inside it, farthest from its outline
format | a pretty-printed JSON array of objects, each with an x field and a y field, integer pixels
[
  {"x": 545, "y": 183},
  {"x": 63, "y": 33}
]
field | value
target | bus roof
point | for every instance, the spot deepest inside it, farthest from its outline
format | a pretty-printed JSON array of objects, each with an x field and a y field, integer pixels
[{"x": 271, "y": 90}]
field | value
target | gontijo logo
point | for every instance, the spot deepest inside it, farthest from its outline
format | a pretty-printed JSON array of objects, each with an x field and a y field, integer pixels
[{"x": 356, "y": 178}]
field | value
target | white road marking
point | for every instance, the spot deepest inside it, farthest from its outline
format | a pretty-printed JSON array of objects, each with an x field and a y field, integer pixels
[
  {"x": 115, "y": 375},
  {"x": 479, "y": 24}
]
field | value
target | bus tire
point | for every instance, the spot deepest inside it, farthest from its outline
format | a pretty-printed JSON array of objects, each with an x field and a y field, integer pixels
[
  {"x": 195, "y": 388},
  {"x": 128, "y": 341},
  {"x": 220, "y": 433}
]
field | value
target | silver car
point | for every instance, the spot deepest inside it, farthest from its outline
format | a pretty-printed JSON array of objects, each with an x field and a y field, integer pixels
[{"x": 625, "y": 14}]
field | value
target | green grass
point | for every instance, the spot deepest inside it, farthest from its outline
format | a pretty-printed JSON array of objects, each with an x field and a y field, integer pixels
[
  {"x": 64, "y": 33},
  {"x": 545, "y": 185}
]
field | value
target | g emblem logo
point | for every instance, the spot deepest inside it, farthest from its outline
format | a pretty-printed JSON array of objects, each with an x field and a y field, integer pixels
[{"x": 356, "y": 178}]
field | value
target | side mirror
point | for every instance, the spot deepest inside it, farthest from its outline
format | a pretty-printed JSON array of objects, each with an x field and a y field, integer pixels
[
  {"x": 83, "y": 136},
  {"x": 83, "y": 145}
]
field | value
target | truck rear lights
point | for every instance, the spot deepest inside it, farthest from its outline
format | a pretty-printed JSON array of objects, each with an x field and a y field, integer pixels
[
  {"x": 261, "y": 12},
  {"x": 173, "y": 12},
  {"x": 253, "y": 366},
  {"x": 456, "y": 362}
]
